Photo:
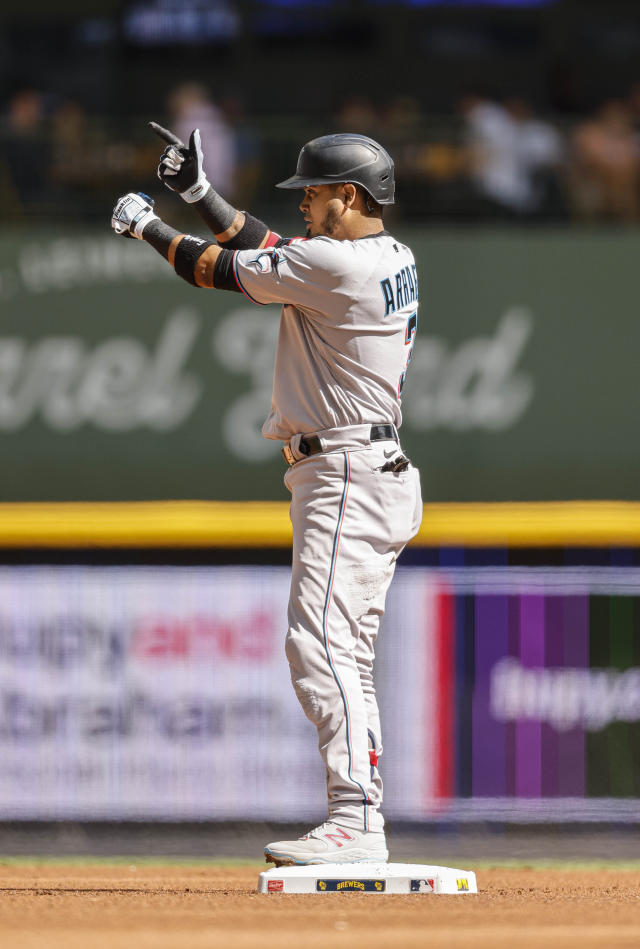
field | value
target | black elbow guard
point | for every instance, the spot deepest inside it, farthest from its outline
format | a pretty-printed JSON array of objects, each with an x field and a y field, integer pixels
[
  {"x": 250, "y": 236},
  {"x": 188, "y": 252},
  {"x": 223, "y": 275}
]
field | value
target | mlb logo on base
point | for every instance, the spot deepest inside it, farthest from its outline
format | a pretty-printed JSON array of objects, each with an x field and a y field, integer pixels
[{"x": 422, "y": 886}]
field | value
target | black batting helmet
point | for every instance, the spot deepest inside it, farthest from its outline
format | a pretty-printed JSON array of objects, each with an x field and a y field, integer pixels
[{"x": 345, "y": 157}]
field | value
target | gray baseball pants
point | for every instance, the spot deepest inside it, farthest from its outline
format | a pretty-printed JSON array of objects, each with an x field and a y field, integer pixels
[{"x": 350, "y": 522}]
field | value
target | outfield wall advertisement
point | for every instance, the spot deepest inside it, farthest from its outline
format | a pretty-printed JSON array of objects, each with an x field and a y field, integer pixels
[
  {"x": 118, "y": 381},
  {"x": 547, "y": 693},
  {"x": 163, "y": 693}
]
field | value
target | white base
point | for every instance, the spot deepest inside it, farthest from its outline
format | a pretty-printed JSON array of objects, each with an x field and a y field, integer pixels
[{"x": 368, "y": 878}]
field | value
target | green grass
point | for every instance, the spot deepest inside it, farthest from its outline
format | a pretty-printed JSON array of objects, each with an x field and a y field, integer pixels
[
  {"x": 523, "y": 863},
  {"x": 257, "y": 865},
  {"x": 544, "y": 864},
  {"x": 137, "y": 861}
]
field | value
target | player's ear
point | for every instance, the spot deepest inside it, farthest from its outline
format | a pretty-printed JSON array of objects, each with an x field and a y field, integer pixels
[{"x": 349, "y": 194}]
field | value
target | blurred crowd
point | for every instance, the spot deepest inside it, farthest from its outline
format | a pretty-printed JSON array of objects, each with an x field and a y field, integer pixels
[
  {"x": 489, "y": 160},
  {"x": 56, "y": 159}
]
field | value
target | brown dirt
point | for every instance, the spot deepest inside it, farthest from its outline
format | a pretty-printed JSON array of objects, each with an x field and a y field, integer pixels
[{"x": 112, "y": 907}]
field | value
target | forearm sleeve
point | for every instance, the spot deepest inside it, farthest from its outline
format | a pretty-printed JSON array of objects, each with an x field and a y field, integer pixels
[
  {"x": 216, "y": 213},
  {"x": 182, "y": 251},
  {"x": 235, "y": 230},
  {"x": 186, "y": 253},
  {"x": 160, "y": 236}
]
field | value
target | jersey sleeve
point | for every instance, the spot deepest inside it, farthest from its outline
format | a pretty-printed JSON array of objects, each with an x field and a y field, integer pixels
[{"x": 300, "y": 272}]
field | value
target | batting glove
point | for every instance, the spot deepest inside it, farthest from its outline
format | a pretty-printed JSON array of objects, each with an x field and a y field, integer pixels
[
  {"x": 181, "y": 167},
  {"x": 132, "y": 213}
]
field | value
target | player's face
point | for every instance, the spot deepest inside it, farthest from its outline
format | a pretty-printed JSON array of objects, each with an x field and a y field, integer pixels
[{"x": 322, "y": 211}]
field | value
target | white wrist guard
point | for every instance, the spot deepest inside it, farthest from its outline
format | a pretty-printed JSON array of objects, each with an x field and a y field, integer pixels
[
  {"x": 196, "y": 191},
  {"x": 132, "y": 213}
]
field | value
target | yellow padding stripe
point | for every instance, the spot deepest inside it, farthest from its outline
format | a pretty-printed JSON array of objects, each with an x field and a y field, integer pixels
[
  {"x": 543, "y": 524},
  {"x": 266, "y": 524},
  {"x": 146, "y": 524}
]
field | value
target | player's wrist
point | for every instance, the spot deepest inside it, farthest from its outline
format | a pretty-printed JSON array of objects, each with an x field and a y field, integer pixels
[
  {"x": 198, "y": 190},
  {"x": 141, "y": 223},
  {"x": 159, "y": 235}
]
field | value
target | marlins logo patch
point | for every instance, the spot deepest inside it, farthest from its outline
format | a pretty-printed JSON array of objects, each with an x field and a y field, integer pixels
[{"x": 267, "y": 262}]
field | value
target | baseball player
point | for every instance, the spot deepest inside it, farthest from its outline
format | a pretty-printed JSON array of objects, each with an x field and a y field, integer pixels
[{"x": 349, "y": 295}]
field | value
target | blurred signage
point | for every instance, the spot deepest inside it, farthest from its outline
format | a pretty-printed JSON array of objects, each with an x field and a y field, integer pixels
[
  {"x": 149, "y": 693},
  {"x": 473, "y": 3},
  {"x": 509, "y": 694},
  {"x": 165, "y": 693},
  {"x": 565, "y": 698},
  {"x": 119, "y": 381},
  {"x": 548, "y": 691},
  {"x": 180, "y": 22}
]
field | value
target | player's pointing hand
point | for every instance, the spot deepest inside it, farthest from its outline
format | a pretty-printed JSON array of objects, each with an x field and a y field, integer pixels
[
  {"x": 166, "y": 135},
  {"x": 181, "y": 166}
]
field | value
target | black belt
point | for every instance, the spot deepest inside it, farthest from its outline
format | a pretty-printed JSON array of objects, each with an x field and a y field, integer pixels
[{"x": 311, "y": 445}]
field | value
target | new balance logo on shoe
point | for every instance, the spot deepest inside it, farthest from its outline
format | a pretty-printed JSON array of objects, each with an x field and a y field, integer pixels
[{"x": 338, "y": 836}]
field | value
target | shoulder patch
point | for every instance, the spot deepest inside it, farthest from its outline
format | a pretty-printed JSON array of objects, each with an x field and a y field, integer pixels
[{"x": 267, "y": 261}]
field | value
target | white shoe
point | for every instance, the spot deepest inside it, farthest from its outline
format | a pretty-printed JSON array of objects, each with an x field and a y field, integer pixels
[{"x": 329, "y": 843}]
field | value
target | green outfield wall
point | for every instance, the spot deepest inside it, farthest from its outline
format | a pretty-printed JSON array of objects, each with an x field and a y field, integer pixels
[{"x": 118, "y": 381}]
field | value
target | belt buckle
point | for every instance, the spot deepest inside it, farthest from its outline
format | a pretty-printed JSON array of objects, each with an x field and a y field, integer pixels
[{"x": 287, "y": 454}]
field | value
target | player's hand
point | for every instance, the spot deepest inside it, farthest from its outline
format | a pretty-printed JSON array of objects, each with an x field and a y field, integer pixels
[
  {"x": 132, "y": 213},
  {"x": 180, "y": 167}
]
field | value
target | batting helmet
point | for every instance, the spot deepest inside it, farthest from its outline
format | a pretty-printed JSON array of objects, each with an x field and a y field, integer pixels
[{"x": 345, "y": 156}]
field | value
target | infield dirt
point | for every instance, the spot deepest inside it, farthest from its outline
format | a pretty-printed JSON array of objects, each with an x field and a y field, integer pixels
[{"x": 174, "y": 907}]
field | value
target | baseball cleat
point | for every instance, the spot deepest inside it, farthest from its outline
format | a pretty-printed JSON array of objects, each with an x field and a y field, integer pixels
[{"x": 329, "y": 843}]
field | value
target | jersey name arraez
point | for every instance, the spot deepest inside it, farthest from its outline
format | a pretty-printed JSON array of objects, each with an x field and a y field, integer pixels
[
  {"x": 406, "y": 289},
  {"x": 346, "y": 333}
]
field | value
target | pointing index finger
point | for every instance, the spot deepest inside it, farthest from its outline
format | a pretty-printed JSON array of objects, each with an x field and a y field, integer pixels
[{"x": 165, "y": 134}]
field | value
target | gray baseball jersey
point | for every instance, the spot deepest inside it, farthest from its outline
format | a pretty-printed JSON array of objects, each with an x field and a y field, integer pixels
[{"x": 347, "y": 329}]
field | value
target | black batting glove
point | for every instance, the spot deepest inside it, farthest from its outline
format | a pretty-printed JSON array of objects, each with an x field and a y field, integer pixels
[{"x": 181, "y": 167}]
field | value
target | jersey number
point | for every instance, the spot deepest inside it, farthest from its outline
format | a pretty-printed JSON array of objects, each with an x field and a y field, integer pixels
[{"x": 409, "y": 340}]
